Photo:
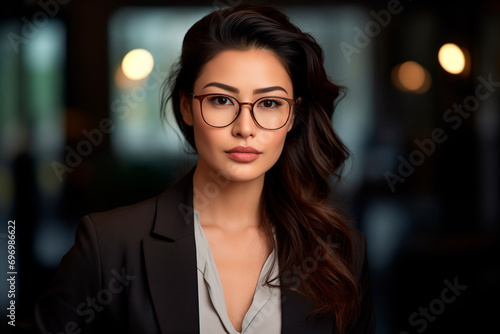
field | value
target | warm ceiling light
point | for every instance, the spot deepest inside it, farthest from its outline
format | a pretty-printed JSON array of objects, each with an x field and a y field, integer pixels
[
  {"x": 137, "y": 64},
  {"x": 452, "y": 58}
]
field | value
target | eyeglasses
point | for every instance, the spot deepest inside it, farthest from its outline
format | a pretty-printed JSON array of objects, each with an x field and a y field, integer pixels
[{"x": 270, "y": 112}]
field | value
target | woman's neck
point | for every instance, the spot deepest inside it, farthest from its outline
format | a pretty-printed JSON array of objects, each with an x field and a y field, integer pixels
[{"x": 229, "y": 205}]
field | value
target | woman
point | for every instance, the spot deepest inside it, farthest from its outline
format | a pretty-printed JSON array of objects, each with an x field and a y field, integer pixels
[{"x": 248, "y": 241}]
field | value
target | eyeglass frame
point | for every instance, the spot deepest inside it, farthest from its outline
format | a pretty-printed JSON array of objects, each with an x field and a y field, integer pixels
[{"x": 291, "y": 103}]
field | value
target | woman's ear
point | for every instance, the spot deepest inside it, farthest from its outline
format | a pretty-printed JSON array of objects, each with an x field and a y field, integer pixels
[{"x": 186, "y": 109}]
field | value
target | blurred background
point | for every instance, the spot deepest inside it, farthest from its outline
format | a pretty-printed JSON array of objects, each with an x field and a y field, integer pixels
[{"x": 80, "y": 132}]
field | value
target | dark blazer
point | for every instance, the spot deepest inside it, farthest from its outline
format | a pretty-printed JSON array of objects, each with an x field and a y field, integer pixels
[{"x": 133, "y": 270}]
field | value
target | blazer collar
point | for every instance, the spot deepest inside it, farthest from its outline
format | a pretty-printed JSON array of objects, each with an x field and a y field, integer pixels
[{"x": 174, "y": 212}]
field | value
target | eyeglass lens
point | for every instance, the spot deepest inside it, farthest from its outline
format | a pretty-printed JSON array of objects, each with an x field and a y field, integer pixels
[{"x": 269, "y": 112}]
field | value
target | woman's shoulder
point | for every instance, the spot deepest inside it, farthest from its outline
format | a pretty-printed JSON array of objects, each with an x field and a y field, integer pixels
[
  {"x": 119, "y": 227},
  {"x": 366, "y": 319},
  {"x": 358, "y": 250},
  {"x": 138, "y": 220},
  {"x": 126, "y": 215}
]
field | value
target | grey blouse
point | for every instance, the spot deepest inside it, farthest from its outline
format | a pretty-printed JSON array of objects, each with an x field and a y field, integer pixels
[{"x": 263, "y": 316}]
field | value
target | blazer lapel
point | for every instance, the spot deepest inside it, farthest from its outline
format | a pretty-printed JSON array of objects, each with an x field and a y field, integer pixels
[
  {"x": 294, "y": 312},
  {"x": 170, "y": 259}
]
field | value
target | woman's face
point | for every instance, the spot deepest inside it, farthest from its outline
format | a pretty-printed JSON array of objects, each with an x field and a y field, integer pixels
[{"x": 247, "y": 76}]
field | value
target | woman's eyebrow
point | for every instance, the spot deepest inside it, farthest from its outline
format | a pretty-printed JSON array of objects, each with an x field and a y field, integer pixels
[
  {"x": 236, "y": 90},
  {"x": 223, "y": 86},
  {"x": 269, "y": 89}
]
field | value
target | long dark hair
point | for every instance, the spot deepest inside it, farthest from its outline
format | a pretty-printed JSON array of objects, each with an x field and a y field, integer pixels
[{"x": 311, "y": 233}]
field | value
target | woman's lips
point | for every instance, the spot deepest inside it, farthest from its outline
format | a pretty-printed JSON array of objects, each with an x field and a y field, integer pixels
[{"x": 243, "y": 153}]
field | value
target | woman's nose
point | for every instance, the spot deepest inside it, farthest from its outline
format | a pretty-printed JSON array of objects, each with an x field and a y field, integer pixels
[{"x": 244, "y": 125}]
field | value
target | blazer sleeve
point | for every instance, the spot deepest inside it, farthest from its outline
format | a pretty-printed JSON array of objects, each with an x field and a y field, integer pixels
[
  {"x": 69, "y": 305},
  {"x": 365, "y": 324}
]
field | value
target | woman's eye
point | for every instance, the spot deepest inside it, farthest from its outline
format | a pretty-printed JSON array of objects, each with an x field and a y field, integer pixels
[
  {"x": 269, "y": 103},
  {"x": 222, "y": 100}
]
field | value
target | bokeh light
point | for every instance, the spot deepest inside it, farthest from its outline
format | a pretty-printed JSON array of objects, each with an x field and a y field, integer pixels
[
  {"x": 137, "y": 64},
  {"x": 452, "y": 58},
  {"x": 122, "y": 81},
  {"x": 411, "y": 77}
]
